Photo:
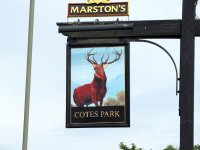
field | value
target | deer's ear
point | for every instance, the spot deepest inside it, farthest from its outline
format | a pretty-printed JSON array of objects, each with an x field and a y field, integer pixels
[
  {"x": 105, "y": 66},
  {"x": 94, "y": 65}
]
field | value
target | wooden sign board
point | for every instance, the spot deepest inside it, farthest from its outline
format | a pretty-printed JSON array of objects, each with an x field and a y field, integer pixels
[
  {"x": 98, "y": 89},
  {"x": 98, "y": 10}
]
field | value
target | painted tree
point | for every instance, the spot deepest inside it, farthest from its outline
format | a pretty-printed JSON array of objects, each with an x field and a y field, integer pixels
[
  {"x": 110, "y": 102},
  {"x": 121, "y": 98},
  {"x": 118, "y": 101}
]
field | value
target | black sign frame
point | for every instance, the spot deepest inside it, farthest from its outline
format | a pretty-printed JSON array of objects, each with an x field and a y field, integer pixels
[{"x": 126, "y": 122}]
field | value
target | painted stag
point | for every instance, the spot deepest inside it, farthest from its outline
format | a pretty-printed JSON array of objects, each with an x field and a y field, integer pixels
[{"x": 95, "y": 91}]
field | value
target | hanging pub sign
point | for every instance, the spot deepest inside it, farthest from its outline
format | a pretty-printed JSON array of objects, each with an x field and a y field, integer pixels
[
  {"x": 98, "y": 86},
  {"x": 98, "y": 8}
]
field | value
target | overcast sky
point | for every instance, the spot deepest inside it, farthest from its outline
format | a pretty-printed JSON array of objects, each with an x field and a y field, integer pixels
[{"x": 154, "y": 105}]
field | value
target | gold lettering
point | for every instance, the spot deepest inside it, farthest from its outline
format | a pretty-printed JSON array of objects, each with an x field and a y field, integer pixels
[
  {"x": 101, "y": 8},
  {"x": 95, "y": 9},
  {"x": 107, "y": 9},
  {"x": 117, "y": 114},
  {"x": 75, "y": 115},
  {"x": 123, "y": 8},
  {"x": 106, "y": 114},
  {"x": 115, "y": 8},
  {"x": 96, "y": 113},
  {"x": 112, "y": 114},
  {"x": 74, "y": 10},
  {"x": 82, "y": 114},
  {"x": 86, "y": 114},
  {"x": 89, "y": 9},
  {"x": 83, "y": 10}
]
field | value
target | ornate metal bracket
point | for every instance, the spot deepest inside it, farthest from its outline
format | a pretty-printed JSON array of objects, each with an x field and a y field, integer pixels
[{"x": 151, "y": 42}]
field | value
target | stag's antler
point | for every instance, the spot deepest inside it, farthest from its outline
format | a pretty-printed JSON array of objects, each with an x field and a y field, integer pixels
[
  {"x": 118, "y": 55},
  {"x": 105, "y": 62},
  {"x": 88, "y": 57}
]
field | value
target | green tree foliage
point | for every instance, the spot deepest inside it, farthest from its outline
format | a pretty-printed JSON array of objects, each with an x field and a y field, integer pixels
[
  {"x": 197, "y": 147},
  {"x": 122, "y": 146},
  {"x": 118, "y": 101},
  {"x": 170, "y": 147}
]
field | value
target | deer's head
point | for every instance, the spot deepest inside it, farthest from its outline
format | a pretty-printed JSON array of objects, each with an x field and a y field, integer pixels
[{"x": 99, "y": 68}]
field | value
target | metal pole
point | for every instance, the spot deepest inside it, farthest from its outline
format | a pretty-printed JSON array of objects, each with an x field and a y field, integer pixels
[
  {"x": 187, "y": 57},
  {"x": 28, "y": 75}
]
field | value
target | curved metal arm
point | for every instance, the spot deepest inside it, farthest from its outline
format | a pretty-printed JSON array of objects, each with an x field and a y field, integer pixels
[{"x": 151, "y": 42}]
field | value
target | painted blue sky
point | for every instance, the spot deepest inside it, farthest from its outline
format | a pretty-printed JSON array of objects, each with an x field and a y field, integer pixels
[
  {"x": 154, "y": 105},
  {"x": 81, "y": 66},
  {"x": 115, "y": 72}
]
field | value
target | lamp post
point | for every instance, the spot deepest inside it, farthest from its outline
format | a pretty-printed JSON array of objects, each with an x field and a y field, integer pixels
[{"x": 28, "y": 76}]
